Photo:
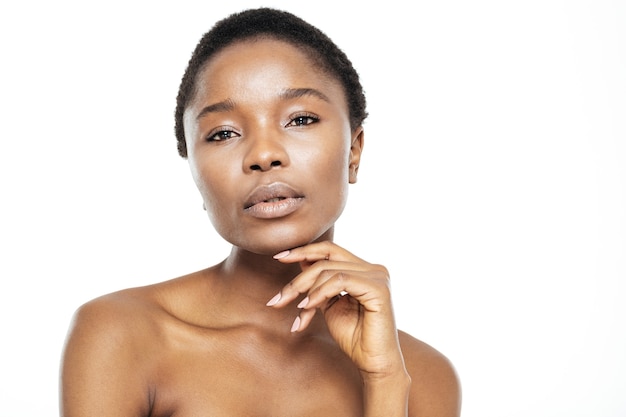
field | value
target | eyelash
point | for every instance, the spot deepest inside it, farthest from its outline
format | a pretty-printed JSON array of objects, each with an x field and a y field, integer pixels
[
  {"x": 311, "y": 117},
  {"x": 302, "y": 119},
  {"x": 212, "y": 137}
]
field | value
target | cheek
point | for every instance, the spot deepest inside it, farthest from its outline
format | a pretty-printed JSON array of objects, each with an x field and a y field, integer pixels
[
  {"x": 218, "y": 199},
  {"x": 211, "y": 179},
  {"x": 332, "y": 163},
  {"x": 329, "y": 166}
]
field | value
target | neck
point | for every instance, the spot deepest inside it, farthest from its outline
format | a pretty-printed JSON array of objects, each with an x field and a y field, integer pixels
[
  {"x": 247, "y": 281},
  {"x": 261, "y": 272},
  {"x": 257, "y": 271}
]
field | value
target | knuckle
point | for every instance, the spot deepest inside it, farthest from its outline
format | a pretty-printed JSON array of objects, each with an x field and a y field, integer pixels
[
  {"x": 326, "y": 274},
  {"x": 383, "y": 272},
  {"x": 326, "y": 248},
  {"x": 340, "y": 279},
  {"x": 326, "y": 245},
  {"x": 291, "y": 288}
]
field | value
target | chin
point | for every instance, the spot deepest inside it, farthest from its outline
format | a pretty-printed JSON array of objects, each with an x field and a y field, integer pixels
[{"x": 275, "y": 241}]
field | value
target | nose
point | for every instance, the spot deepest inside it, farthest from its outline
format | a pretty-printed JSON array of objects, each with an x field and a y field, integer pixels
[{"x": 266, "y": 151}]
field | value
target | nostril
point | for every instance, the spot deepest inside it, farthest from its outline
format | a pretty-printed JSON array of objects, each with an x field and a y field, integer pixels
[{"x": 264, "y": 166}]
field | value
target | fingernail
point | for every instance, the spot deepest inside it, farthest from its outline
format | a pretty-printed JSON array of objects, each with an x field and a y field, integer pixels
[
  {"x": 281, "y": 254},
  {"x": 304, "y": 302},
  {"x": 274, "y": 300},
  {"x": 296, "y": 324}
]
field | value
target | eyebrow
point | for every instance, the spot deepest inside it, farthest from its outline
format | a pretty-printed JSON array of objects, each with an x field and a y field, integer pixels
[
  {"x": 287, "y": 94},
  {"x": 291, "y": 93},
  {"x": 222, "y": 106}
]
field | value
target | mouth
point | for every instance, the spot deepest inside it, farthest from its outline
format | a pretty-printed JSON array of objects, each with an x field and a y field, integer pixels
[
  {"x": 273, "y": 200},
  {"x": 272, "y": 193}
]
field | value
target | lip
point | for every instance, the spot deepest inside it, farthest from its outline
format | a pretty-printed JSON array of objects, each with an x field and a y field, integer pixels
[{"x": 273, "y": 201}]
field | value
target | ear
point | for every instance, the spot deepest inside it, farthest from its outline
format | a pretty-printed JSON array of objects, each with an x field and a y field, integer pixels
[{"x": 356, "y": 148}]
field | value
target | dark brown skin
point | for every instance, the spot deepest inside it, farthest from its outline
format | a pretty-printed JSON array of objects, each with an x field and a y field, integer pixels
[{"x": 289, "y": 324}]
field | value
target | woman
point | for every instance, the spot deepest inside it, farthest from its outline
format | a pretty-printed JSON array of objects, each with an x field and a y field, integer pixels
[{"x": 269, "y": 116}]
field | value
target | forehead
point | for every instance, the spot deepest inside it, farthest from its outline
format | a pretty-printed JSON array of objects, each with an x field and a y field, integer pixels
[{"x": 268, "y": 59}]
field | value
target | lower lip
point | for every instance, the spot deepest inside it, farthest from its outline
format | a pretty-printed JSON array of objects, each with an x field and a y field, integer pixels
[{"x": 275, "y": 209}]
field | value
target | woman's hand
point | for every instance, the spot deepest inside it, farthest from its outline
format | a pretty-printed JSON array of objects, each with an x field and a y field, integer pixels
[{"x": 354, "y": 297}]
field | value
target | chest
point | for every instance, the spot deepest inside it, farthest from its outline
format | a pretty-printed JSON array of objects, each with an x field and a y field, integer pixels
[{"x": 235, "y": 374}]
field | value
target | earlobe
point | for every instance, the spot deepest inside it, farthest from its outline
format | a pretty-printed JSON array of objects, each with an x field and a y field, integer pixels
[
  {"x": 353, "y": 172},
  {"x": 356, "y": 148}
]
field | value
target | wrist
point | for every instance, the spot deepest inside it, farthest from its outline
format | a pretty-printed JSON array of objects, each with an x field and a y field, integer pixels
[{"x": 386, "y": 395}]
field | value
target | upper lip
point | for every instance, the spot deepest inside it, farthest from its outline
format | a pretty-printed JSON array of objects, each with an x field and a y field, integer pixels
[{"x": 266, "y": 192}]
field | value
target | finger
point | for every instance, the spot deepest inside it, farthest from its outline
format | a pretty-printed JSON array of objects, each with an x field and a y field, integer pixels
[
  {"x": 315, "y": 252},
  {"x": 372, "y": 292},
  {"x": 311, "y": 278},
  {"x": 303, "y": 320},
  {"x": 302, "y": 284}
]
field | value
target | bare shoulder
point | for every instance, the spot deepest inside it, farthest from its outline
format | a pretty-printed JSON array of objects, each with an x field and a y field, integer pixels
[
  {"x": 107, "y": 310},
  {"x": 133, "y": 314},
  {"x": 118, "y": 317},
  {"x": 105, "y": 362},
  {"x": 435, "y": 387}
]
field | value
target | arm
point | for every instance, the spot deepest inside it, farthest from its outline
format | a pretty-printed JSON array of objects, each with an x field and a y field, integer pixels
[
  {"x": 100, "y": 370},
  {"x": 431, "y": 388},
  {"x": 387, "y": 396}
]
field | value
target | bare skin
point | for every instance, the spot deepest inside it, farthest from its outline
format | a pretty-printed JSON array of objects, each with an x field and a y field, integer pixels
[{"x": 289, "y": 324}]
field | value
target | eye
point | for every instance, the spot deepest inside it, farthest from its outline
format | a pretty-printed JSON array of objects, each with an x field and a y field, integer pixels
[
  {"x": 221, "y": 134},
  {"x": 303, "y": 120}
]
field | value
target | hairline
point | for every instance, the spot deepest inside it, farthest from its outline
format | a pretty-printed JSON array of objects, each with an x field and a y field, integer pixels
[{"x": 308, "y": 51}]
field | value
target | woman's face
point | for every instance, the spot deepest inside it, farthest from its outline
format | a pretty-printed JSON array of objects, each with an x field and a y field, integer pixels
[{"x": 270, "y": 146}]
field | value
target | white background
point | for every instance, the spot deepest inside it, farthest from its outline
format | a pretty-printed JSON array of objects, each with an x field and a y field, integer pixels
[{"x": 493, "y": 184}]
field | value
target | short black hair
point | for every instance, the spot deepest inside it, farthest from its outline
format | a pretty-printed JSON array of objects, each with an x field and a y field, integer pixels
[{"x": 275, "y": 24}]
